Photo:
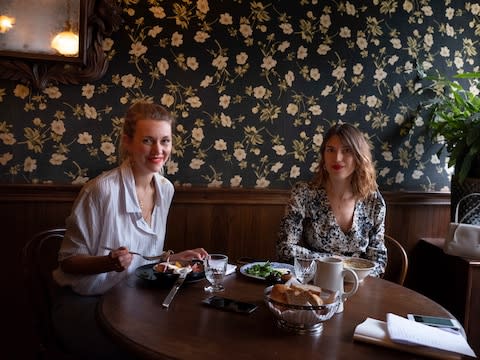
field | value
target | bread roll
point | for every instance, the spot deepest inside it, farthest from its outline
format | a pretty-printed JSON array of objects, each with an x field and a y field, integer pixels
[
  {"x": 306, "y": 287},
  {"x": 297, "y": 294},
  {"x": 279, "y": 293},
  {"x": 315, "y": 299},
  {"x": 297, "y": 297}
]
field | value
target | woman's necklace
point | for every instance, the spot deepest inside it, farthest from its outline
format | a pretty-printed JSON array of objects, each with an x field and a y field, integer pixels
[{"x": 147, "y": 202}]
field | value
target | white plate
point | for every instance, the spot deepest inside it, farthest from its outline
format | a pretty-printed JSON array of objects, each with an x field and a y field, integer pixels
[{"x": 282, "y": 267}]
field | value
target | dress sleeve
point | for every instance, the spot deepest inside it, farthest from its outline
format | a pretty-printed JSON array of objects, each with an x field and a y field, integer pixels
[
  {"x": 376, "y": 250},
  {"x": 291, "y": 226}
]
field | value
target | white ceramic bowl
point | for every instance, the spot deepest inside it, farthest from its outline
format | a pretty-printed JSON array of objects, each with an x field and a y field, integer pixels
[
  {"x": 362, "y": 267},
  {"x": 299, "y": 318}
]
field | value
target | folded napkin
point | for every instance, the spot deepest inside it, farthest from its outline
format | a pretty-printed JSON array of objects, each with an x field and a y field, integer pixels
[{"x": 231, "y": 268}]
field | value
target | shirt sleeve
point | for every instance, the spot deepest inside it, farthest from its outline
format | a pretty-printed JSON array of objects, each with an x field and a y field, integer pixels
[
  {"x": 82, "y": 238},
  {"x": 81, "y": 223}
]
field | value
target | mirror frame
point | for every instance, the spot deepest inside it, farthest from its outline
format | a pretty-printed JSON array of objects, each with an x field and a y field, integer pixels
[
  {"x": 80, "y": 58},
  {"x": 99, "y": 18}
]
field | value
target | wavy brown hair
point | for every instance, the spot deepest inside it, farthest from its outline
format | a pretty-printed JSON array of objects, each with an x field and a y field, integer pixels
[
  {"x": 142, "y": 111},
  {"x": 364, "y": 179}
]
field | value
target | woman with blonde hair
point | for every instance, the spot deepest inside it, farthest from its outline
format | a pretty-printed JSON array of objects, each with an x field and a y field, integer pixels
[
  {"x": 340, "y": 212},
  {"x": 123, "y": 209}
]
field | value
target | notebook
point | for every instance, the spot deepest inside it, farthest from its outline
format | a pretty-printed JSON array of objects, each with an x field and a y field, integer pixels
[{"x": 422, "y": 342}]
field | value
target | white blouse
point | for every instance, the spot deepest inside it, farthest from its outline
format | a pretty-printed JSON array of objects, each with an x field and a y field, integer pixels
[{"x": 107, "y": 214}]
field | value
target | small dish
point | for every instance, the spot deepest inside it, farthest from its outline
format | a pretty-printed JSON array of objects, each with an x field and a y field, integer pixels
[{"x": 362, "y": 267}]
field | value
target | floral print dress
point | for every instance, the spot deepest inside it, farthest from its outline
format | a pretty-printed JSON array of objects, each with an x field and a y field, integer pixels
[{"x": 309, "y": 227}]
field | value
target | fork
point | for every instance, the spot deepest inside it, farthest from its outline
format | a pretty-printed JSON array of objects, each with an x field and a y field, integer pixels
[{"x": 150, "y": 258}]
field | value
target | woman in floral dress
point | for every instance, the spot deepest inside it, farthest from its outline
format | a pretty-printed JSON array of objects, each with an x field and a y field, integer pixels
[{"x": 340, "y": 212}]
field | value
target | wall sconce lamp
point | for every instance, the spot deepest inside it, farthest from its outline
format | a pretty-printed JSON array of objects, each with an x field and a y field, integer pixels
[
  {"x": 6, "y": 23},
  {"x": 67, "y": 42}
]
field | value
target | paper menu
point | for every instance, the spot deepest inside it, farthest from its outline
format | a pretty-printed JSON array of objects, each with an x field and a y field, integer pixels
[
  {"x": 402, "y": 330},
  {"x": 375, "y": 332}
]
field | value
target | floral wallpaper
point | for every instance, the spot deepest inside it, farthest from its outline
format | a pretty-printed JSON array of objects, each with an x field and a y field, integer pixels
[{"x": 253, "y": 85}]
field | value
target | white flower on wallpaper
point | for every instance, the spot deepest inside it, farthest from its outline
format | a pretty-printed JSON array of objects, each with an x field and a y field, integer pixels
[{"x": 253, "y": 85}]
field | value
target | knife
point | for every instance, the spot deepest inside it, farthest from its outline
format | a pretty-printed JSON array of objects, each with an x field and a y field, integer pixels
[{"x": 176, "y": 286}]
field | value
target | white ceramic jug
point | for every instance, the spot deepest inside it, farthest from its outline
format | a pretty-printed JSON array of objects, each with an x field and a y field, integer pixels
[{"x": 330, "y": 275}]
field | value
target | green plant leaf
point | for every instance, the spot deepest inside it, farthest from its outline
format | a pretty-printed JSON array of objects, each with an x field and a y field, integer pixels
[
  {"x": 454, "y": 114},
  {"x": 468, "y": 75}
]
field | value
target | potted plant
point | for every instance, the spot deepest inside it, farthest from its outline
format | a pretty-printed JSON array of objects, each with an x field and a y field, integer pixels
[{"x": 454, "y": 119}]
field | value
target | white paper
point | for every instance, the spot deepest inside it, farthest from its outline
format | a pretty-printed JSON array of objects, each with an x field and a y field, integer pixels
[
  {"x": 374, "y": 331},
  {"x": 404, "y": 331}
]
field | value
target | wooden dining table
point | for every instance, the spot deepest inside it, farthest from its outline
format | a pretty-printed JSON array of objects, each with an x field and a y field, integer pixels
[{"x": 132, "y": 313}]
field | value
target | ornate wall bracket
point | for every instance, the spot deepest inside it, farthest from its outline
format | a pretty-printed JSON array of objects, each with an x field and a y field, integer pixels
[{"x": 103, "y": 17}]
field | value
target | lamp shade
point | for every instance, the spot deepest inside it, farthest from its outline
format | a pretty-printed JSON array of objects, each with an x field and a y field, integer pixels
[
  {"x": 66, "y": 43},
  {"x": 6, "y": 23}
]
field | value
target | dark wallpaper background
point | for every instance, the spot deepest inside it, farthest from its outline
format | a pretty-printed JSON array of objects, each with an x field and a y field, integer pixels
[{"x": 254, "y": 85}]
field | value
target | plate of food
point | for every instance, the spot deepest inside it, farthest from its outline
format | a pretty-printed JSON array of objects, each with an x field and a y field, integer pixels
[
  {"x": 165, "y": 274},
  {"x": 263, "y": 270}
]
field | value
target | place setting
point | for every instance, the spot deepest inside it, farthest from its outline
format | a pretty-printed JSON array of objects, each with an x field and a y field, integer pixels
[
  {"x": 164, "y": 274},
  {"x": 174, "y": 274}
]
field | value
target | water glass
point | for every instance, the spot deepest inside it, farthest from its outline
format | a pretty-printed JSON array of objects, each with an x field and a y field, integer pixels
[
  {"x": 305, "y": 269},
  {"x": 215, "y": 269}
]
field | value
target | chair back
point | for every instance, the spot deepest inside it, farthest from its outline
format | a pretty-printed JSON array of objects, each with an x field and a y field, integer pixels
[
  {"x": 39, "y": 259},
  {"x": 397, "y": 263}
]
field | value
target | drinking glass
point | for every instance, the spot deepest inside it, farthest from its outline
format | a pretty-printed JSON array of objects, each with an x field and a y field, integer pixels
[
  {"x": 305, "y": 268},
  {"x": 215, "y": 269}
]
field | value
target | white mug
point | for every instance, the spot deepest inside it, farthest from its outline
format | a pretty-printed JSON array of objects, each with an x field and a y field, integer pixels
[{"x": 330, "y": 275}]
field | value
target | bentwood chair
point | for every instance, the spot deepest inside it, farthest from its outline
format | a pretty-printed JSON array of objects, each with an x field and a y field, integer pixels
[
  {"x": 39, "y": 257},
  {"x": 397, "y": 263}
]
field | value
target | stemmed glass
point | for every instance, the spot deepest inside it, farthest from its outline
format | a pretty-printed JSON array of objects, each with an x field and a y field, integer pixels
[
  {"x": 305, "y": 268},
  {"x": 215, "y": 269}
]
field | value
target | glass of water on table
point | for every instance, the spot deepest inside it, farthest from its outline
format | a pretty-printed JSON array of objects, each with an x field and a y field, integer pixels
[
  {"x": 305, "y": 268},
  {"x": 215, "y": 269}
]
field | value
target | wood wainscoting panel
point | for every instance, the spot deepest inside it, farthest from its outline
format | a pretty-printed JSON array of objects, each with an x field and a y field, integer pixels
[
  {"x": 25, "y": 210},
  {"x": 236, "y": 230},
  {"x": 239, "y": 222},
  {"x": 412, "y": 215}
]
